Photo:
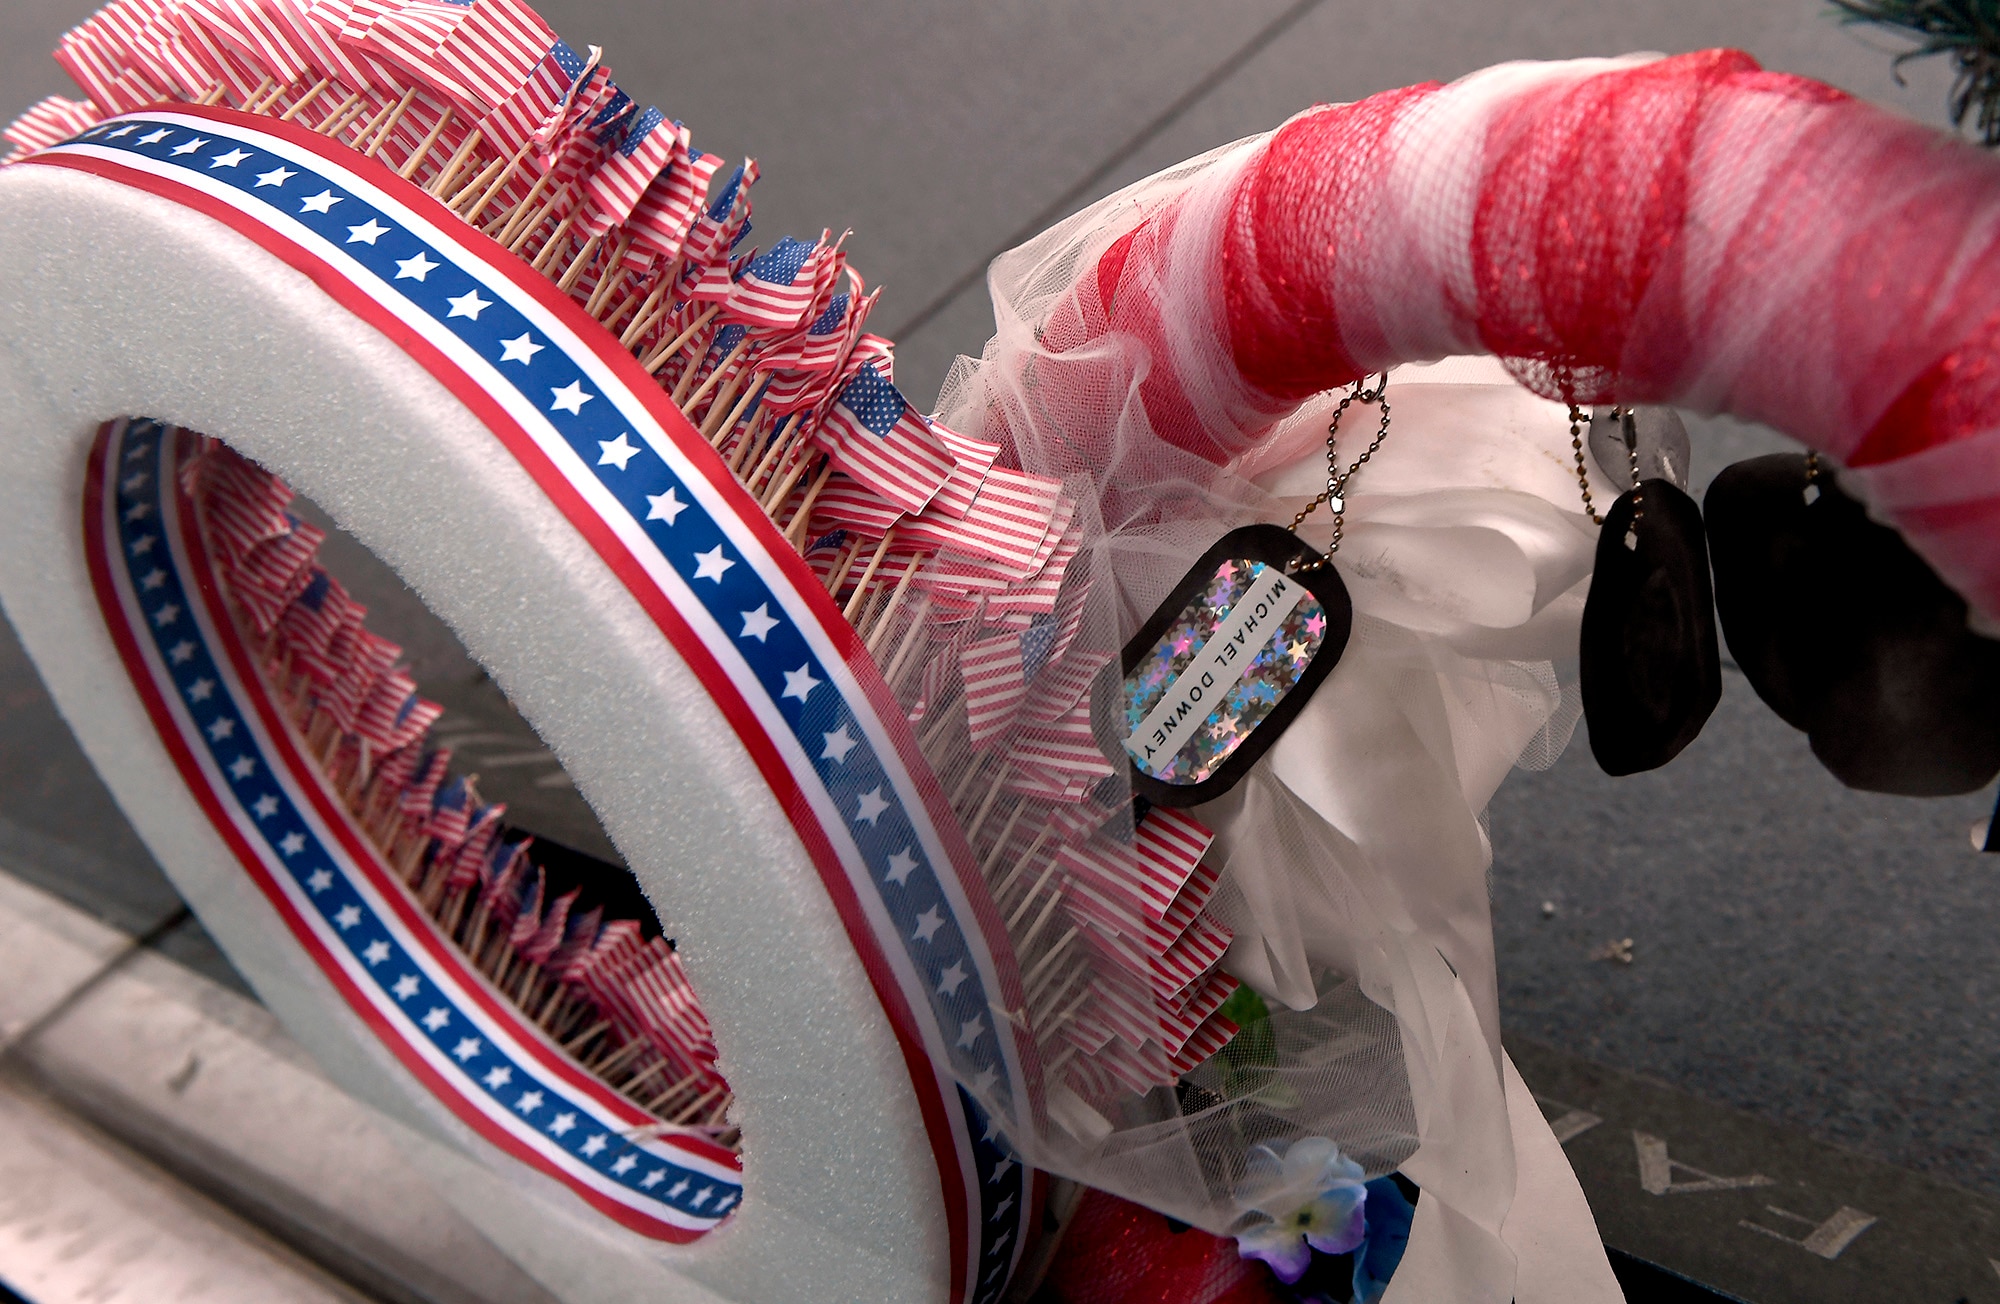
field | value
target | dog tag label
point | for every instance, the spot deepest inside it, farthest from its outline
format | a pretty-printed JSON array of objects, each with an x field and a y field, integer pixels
[{"x": 1213, "y": 678}]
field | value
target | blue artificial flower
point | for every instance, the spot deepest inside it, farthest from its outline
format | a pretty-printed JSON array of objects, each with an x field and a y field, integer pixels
[
  {"x": 1313, "y": 1198},
  {"x": 1389, "y": 1215}
]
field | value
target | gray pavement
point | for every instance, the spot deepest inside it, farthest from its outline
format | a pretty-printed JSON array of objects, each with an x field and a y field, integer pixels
[{"x": 1821, "y": 959}]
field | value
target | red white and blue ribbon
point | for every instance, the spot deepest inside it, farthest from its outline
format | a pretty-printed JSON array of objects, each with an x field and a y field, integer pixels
[
  {"x": 733, "y": 599},
  {"x": 247, "y": 767}
]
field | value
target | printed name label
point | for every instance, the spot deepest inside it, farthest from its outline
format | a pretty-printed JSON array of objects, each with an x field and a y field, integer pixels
[{"x": 1219, "y": 663}]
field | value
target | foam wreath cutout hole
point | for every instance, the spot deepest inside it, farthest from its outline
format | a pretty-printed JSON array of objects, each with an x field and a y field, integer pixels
[{"x": 233, "y": 342}]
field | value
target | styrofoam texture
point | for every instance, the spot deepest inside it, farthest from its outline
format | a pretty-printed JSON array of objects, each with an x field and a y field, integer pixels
[{"x": 114, "y": 302}]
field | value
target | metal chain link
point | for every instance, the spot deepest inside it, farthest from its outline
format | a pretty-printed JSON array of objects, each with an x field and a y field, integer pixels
[
  {"x": 1335, "y": 493},
  {"x": 1577, "y": 422},
  {"x": 1628, "y": 418}
]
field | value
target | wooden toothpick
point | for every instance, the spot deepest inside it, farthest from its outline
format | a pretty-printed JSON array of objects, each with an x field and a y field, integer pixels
[
  {"x": 885, "y": 621},
  {"x": 721, "y": 368},
  {"x": 388, "y": 127},
  {"x": 458, "y": 158},
  {"x": 507, "y": 172},
  {"x": 423, "y": 150},
  {"x": 579, "y": 264},
  {"x": 659, "y": 356},
  {"x": 305, "y": 101},
  {"x": 861, "y": 585}
]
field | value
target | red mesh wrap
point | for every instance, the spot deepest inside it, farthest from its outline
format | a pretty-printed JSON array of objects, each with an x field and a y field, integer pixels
[
  {"x": 1115, "y": 1252},
  {"x": 1692, "y": 230}
]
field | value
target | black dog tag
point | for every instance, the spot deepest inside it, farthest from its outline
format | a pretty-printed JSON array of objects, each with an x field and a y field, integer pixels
[
  {"x": 1650, "y": 666},
  {"x": 1849, "y": 635},
  {"x": 1219, "y": 671}
]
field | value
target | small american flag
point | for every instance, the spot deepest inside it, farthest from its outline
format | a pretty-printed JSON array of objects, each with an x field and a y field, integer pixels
[
  {"x": 245, "y": 505},
  {"x": 394, "y": 772},
  {"x": 267, "y": 578},
  {"x": 724, "y": 344},
  {"x": 727, "y": 220},
  {"x": 407, "y": 36},
  {"x": 148, "y": 42},
  {"x": 92, "y": 63},
  {"x": 473, "y": 861},
  {"x": 1165, "y": 850},
  {"x": 519, "y": 118},
  {"x": 1134, "y": 1067},
  {"x": 1213, "y": 1034},
  {"x": 577, "y": 941},
  {"x": 376, "y": 720},
  {"x": 1065, "y": 669},
  {"x": 569, "y": 147},
  {"x": 505, "y": 877},
  {"x": 1008, "y": 521},
  {"x": 645, "y": 145},
  {"x": 246, "y": 30},
  {"x": 1087, "y": 1032},
  {"x": 314, "y": 28},
  {"x": 320, "y": 611},
  {"x": 366, "y": 658},
  {"x": 1114, "y": 874},
  {"x": 1041, "y": 594},
  {"x": 666, "y": 211},
  {"x": 714, "y": 284},
  {"x": 971, "y": 460},
  {"x": 1173, "y": 971},
  {"x": 500, "y": 868},
  {"x": 192, "y": 60},
  {"x": 772, "y": 295},
  {"x": 815, "y": 387},
  {"x": 999, "y": 670},
  {"x": 452, "y": 814},
  {"x": 1198, "y": 949},
  {"x": 618, "y": 938},
  {"x": 875, "y": 436},
  {"x": 49, "y": 121},
  {"x": 1069, "y": 745},
  {"x": 1178, "y": 1021},
  {"x": 1048, "y": 782},
  {"x": 116, "y": 37},
  {"x": 420, "y": 798},
  {"x": 876, "y": 350},
  {"x": 817, "y": 348},
  {"x": 995, "y": 685},
  {"x": 385, "y": 707},
  {"x": 493, "y": 49},
  {"x": 1128, "y": 1007},
  {"x": 542, "y": 945},
  {"x": 529, "y": 921},
  {"x": 413, "y": 720},
  {"x": 671, "y": 1016}
]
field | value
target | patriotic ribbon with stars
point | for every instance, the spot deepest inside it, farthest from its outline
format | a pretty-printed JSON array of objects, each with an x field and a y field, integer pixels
[
  {"x": 448, "y": 1026},
  {"x": 734, "y": 600}
]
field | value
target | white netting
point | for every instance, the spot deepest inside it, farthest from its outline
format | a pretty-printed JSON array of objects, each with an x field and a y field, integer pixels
[{"x": 1352, "y": 857}]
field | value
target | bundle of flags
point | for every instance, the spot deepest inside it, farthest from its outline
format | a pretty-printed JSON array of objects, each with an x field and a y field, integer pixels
[
  {"x": 966, "y": 576},
  {"x": 483, "y": 104},
  {"x": 612, "y": 991},
  {"x": 1126, "y": 989}
]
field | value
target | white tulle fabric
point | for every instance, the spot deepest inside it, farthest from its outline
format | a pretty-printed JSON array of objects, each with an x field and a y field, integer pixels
[
  {"x": 1819, "y": 257},
  {"x": 1355, "y": 854}
]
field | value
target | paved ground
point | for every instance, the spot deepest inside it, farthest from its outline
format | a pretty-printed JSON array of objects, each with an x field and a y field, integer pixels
[{"x": 1821, "y": 959}]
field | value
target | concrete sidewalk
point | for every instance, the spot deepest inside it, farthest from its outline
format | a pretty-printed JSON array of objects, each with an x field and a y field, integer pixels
[{"x": 162, "y": 1139}]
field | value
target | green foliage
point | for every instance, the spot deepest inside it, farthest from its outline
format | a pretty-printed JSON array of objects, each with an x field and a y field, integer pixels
[
  {"x": 1966, "y": 30},
  {"x": 1248, "y": 1059},
  {"x": 1244, "y": 1007}
]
